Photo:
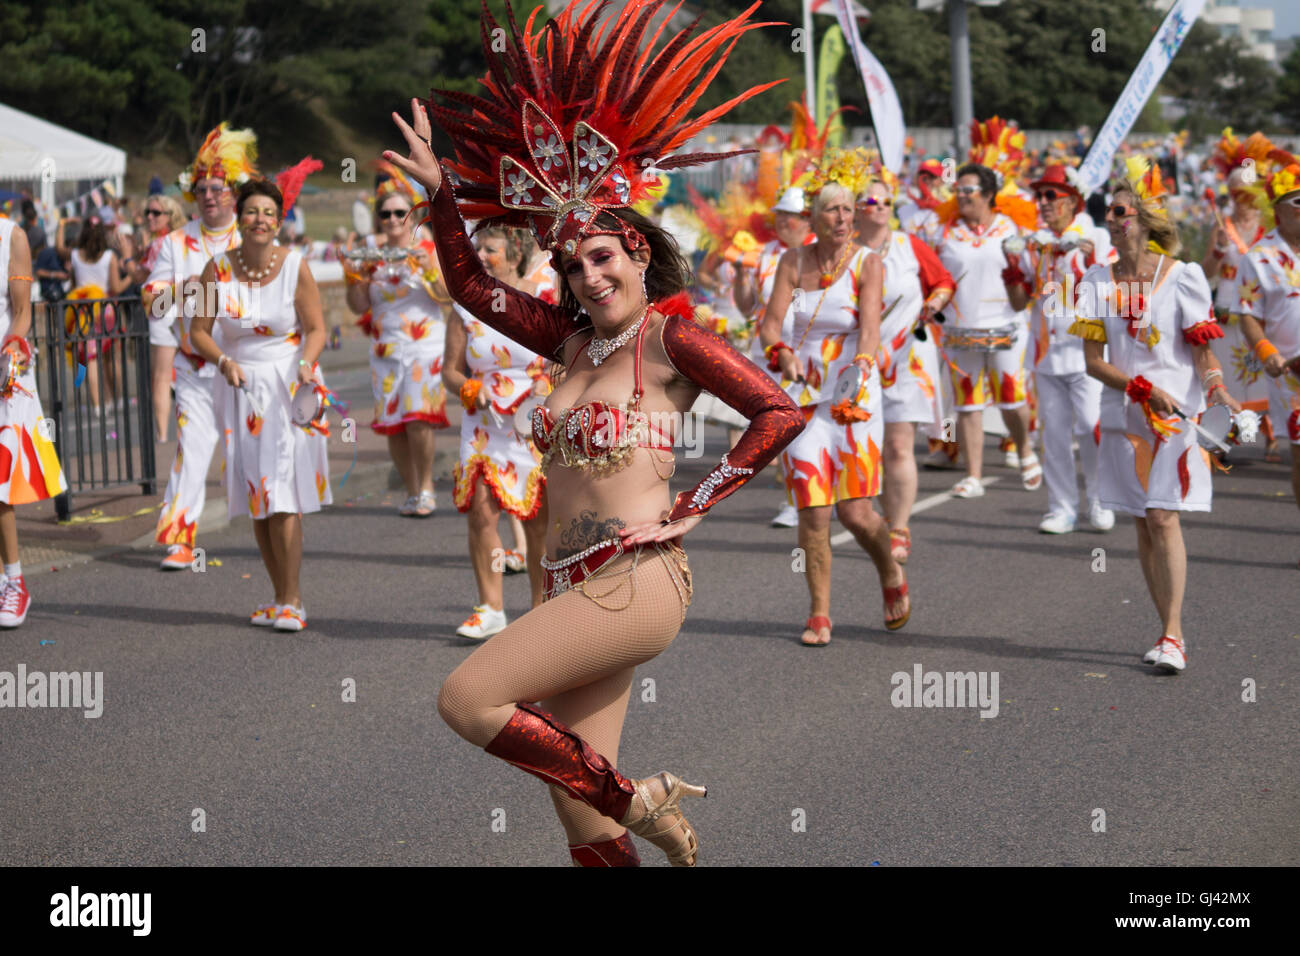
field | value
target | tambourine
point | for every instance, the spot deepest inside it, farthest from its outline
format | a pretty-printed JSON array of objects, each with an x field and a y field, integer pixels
[
  {"x": 523, "y": 416},
  {"x": 851, "y": 386},
  {"x": 1213, "y": 428},
  {"x": 306, "y": 406}
]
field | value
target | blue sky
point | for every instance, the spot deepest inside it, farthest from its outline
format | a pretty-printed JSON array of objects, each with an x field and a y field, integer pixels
[{"x": 1286, "y": 16}]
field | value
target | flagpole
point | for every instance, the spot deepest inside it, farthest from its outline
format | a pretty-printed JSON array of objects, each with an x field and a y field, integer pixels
[
  {"x": 962, "y": 108},
  {"x": 808, "y": 73}
]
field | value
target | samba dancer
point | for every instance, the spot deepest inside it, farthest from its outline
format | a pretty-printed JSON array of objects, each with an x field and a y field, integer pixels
[
  {"x": 618, "y": 584},
  {"x": 916, "y": 288},
  {"x": 29, "y": 465},
  {"x": 499, "y": 468},
  {"x": 1046, "y": 274},
  {"x": 1269, "y": 295},
  {"x": 401, "y": 296},
  {"x": 1147, "y": 322},
  {"x": 224, "y": 160},
  {"x": 273, "y": 332},
  {"x": 836, "y": 460}
]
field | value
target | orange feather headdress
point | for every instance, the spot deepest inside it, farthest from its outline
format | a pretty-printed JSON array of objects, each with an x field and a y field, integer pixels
[
  {"x": 396, "y": 183},
  {"x": 576, "y": 115},
  {"x": 999, "y": 145},
  {"x": 226, "y": 154}
]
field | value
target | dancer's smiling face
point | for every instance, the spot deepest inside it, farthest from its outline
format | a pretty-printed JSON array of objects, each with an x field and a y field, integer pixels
[
  {"x": 606, "y": 279},
  {"x": 259, "y": 220}
]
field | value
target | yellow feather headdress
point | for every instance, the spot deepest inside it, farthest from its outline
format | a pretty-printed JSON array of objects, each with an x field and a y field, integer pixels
[{"x": 226, "y": 154}]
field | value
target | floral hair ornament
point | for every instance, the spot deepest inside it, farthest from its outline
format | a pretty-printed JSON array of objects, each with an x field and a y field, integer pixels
[
  {"x": 576, "y": 120},
  {"x": 850, "y": 168},
  {"x": 395, "y": 183},
  {"x": 1284, "y": 181},
  {"x": 226, "y": 154}
]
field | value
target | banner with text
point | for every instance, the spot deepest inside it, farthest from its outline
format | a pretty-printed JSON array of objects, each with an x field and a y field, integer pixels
[{"x": 886, "y": 112}]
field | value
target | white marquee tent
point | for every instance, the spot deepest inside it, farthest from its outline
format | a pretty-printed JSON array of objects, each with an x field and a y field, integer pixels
[{"x": 34, "y": 150}]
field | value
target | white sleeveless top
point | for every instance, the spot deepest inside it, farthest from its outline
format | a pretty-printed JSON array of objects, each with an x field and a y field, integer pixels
[
  {"x": 92, "y": 273},
  {"x": 258, "y": 321},
  {"x": 826, "y": 331}
]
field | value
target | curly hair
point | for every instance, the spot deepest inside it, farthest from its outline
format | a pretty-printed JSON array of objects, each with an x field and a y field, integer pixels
[{"x": 668, "y": 273}]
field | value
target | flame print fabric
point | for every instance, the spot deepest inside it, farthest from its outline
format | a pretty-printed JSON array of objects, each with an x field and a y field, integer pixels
[
  {"x": 490, "y": 448},
  {"x": 273, "y": 466},
  {"x": 409, "y": 334},
  {"x": 909, "y": 368},
  {"x": 1269, "y": 290}
]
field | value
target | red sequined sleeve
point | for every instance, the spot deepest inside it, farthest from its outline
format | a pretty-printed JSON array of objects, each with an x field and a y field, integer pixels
[
  {"x": 534, "y": 324},
  {"x": 774, "y": 420}
]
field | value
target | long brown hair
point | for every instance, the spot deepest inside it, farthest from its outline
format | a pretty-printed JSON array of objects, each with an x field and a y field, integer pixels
[
  {"x": 93, "y": 240},
  {"x": 667, "y": 274}
]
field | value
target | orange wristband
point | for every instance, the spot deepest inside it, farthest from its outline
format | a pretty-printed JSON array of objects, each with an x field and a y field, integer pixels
[
  {"x": 469, "y": 393},
  {"x": 1265, "y": 350}
]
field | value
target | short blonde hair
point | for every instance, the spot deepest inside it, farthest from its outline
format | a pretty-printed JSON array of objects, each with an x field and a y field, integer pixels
[
  {"x": 831, "y": 192},
  {"x": 1159, "y": 229},
  {"x": 175, "y": 211}
]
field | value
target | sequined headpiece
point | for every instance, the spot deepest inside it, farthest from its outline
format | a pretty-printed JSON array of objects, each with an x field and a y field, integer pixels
[
  {"x": 576, "y": 118},
  {"x": 226, "y": 154}
]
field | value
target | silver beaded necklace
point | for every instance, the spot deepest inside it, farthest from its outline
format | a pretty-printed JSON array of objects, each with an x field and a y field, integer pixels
[{"x": 600, "y": 349}]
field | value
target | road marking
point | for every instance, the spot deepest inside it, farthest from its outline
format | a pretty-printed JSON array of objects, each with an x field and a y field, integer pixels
[{"x": 925, "y": 504}]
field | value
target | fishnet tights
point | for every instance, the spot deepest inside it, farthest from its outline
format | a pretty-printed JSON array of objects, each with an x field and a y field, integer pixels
[{"x": 576, "y": 659}]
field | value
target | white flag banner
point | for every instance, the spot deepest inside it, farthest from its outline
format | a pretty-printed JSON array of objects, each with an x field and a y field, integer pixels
[
  {"x": 828, "y": 8},
  {"x": 1096, "y": 166},
  {"x": 886, "y": 113}
]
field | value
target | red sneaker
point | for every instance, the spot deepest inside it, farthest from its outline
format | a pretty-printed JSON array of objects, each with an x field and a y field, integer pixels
[{"x": 14, "y": 603}]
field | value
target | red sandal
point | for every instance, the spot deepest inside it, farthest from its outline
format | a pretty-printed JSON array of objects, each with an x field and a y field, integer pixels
[
  {"x": 815, "y": 624},
  {"x": 892, "y": 595}
]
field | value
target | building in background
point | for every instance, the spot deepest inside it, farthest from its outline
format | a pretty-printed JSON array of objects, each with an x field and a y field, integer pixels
[{"x": 1254, "y": 25}]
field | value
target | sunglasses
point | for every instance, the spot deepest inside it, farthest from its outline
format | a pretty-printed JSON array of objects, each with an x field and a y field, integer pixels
[
  {"x": 1121, "y": 211},
  {"x": 210, "y": 190},
  {"x": 1291, "y": 201},
  {"x": 967, "y": 190},
  {"x": 873, "y": 201},
  {"x": 155, "y": 212},
  {"x": 390, "y": 213},
  {"x": 1049, "y": 195}
]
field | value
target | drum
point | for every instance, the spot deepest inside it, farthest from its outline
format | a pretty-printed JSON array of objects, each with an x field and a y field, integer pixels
[
  {"x": 1215, "y": 424},
  {"x": 851, "y": 386},
  {"x": 996, "y": 339}
]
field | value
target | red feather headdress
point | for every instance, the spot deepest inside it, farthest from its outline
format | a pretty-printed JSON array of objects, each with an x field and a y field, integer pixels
[
  {"x": 289, "y": 181},
  {"x": 577, "y": 115}
]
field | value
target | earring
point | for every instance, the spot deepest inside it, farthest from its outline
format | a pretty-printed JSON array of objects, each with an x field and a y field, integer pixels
[{"x": 645, "y": 296}]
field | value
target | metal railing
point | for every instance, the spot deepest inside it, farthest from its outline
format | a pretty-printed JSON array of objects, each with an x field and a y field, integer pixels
[{"x": 93, "y": 380}]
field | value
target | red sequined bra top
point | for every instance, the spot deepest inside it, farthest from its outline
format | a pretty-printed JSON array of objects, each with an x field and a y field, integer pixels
[
  {"x": 695, "y": 353},
  {"x": 598, "y": 436}
]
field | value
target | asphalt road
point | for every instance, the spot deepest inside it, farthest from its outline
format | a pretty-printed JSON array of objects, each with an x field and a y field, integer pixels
[{"x": 807, "y": 760}]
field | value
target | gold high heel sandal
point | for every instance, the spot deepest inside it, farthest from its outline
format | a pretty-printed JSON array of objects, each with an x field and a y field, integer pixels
[{"x": 647, "y": 827}]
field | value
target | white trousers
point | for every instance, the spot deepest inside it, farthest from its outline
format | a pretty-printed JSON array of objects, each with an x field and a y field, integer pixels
[
  {"x": 1069, "y": 407},
  {"x": 196, "y": 440}
]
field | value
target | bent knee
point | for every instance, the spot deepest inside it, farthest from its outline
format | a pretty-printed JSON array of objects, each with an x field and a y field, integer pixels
[{"x": 466, "y": 711}]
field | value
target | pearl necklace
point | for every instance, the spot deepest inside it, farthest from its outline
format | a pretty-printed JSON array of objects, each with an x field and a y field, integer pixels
[
  {"x": 600, "y": 349},
  {"x": 239, "y": 253}
]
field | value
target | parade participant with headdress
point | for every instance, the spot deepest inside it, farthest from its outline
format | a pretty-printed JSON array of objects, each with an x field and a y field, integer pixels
[
  {"x": 1147, "y": 322},
  {"x": 1244, "y": 168},
  {"x": 1269, "y": 296},
  {"x": 836, "y": 336},
  {"x": 564, "y": 139},
  {"x": 29, "y": 465},
  {"x": 1046, "y": 276},
  {"x": 984, "y": 343},
  {"x": 917, "y": 211},
  {"x": 916, "y": 288},
  {"x": 272, "y": 334},
  {"x": 499, "y": 468},
  {"x": 224, "y": 162},
  {"x": 403, "y": 296}
]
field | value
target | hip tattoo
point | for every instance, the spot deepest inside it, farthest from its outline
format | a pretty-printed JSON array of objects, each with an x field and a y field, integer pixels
[{"x": 586, "y": 530}]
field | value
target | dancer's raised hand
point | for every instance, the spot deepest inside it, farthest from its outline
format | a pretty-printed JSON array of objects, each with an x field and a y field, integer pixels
[{"x": 421, "y": 165}]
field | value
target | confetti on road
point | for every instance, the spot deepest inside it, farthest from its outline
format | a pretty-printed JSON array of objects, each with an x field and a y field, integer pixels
[
  {"x": 1090, "y": 674},
  {"x": 43, "y": 643},
  {"x": 215, "y": 562}
]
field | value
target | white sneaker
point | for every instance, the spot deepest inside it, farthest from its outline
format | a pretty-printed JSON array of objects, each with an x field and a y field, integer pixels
[
  {"x": 483, "y": 623},
  {"x": 1012, "y": 460},
  {"x": 1151, "y": 656},
  {"x": 787, "y": 517},
  {"x": 1100, "y": 518},
  {"x": 1056, "y": 524},
  {"x": 1173, "y": 654},
  {"x": 939, "y": 461}
]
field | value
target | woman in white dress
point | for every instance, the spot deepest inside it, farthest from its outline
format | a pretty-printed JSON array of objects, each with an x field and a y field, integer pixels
[
  {"x": 96, "y": 274},
  {"x": 271, "y": 322},
  {"x": 402, "y": 298},
  {"x": 499, "y": 468},
  {"x": 1147, "y": 322}
]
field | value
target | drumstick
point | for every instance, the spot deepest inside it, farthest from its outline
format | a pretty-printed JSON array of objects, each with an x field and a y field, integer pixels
[
  {"x": 1201, "y": 431},
  {"x": 1214, "y": 207},
  {"x": 257, "y": 409}
]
